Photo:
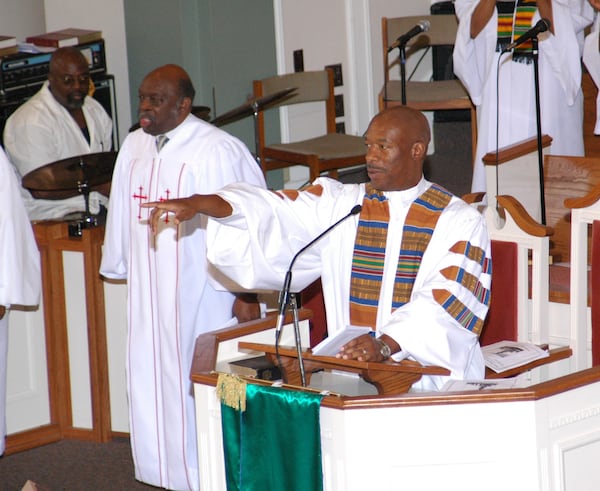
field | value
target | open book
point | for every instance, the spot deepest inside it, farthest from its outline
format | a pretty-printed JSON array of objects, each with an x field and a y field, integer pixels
[
  {"x": 504, "y": 355},
  {"x": 331, "y": 345}
]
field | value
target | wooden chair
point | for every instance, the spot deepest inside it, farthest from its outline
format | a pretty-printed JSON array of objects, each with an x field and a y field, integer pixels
[
  {"x": 325, "y": 153},
  {"x": 435, "y": 95},
  {"x": 585, "y": 258},
  {"x": 519, "y": 307}
]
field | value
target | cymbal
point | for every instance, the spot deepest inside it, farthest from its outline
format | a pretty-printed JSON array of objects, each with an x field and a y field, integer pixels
[
  {"x": 255, "y": 103},
  {"x": 63, "y": 178}
]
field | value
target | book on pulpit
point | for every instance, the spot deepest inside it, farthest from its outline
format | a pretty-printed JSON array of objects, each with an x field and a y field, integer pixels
[
  {"x": 257, "y": 367},
  {"x": 504, "y": 355},
  {"x": 332, "y": 344}
]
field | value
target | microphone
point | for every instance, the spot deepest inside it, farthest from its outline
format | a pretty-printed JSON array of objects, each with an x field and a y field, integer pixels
[
  {"x": 542, "y": 26},
  {"x": 284, "y": 296},
  {"x": 422, "y": 26}
]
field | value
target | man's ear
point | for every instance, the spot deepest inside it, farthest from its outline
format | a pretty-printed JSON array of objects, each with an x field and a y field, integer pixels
[
  {"x": 185, "y": 104},
  {"x": 418, "y": 150}
]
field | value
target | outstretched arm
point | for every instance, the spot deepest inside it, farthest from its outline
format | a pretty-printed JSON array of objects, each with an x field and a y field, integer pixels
[{"x": 185, "y": 208}]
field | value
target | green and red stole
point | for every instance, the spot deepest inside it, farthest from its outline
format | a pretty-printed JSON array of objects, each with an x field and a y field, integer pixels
[{"x": 514, "y": 23}]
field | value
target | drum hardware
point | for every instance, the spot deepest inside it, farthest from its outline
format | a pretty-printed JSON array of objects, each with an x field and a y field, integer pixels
[{"x": 71, "y": 177}]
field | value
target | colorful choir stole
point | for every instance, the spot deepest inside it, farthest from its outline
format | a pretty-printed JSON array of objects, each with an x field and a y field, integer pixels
[
  {"x": 514, "y": 23},
  {"x": 369, "y": 250},
  {"x": 271, "y": 437}
]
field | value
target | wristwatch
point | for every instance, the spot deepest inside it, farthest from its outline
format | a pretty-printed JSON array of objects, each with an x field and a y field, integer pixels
[{"x": 384, "y": 349}]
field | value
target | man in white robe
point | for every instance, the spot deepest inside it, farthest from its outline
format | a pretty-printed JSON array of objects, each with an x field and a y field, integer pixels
[
  {"x": 476, "y": 58},
  {"x": 20, "y": 277},
  {"x": 170, "y": 300},
  {"x": 255, "y": 234},
  {"x": 60, "y": 121},
  {"x": 591, "y": 58}
]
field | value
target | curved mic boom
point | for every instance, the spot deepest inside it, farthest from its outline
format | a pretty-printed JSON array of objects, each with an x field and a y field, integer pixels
[
  {"x": 542, "y": 25},
  {"x": 285, "y": 292}
]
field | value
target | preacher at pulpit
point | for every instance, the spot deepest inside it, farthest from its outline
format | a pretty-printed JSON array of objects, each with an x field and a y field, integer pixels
[{"x": 414, "y": 265}]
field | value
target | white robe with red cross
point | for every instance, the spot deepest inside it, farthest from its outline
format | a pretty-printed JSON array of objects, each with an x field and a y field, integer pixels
[{"x": 169, "y": 299}]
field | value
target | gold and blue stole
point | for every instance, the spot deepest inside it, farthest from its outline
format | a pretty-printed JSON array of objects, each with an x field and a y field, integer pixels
[
  {"x": 513, "y": 23},
  {"x": 370, "y": 244}
]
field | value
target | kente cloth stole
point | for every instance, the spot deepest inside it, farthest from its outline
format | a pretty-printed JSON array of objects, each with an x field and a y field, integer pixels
[
  {"x": 271, "y": 437},
  {"x": 369, "y": 250},
  {"x": 512, "y": 24}
]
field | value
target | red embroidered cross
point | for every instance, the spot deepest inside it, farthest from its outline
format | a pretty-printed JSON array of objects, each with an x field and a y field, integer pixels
[
  {"x": 140, "y": 197},
  {"x": 167, "y": 192}
]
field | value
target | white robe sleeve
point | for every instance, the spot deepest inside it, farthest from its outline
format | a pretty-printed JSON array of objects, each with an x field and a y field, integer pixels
[
  {"x": 255, "y": 246},
  {"x": 472, "y": 58},
  {"x": 591, "y": 58},
  {"x": 20, "y": 277},
  {"x": 437, "y": 334},
  {"x": 115, "y": 250}
]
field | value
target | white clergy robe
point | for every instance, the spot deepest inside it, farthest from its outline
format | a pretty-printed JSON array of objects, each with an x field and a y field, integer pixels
[
  {"x": 170, "y": 302},
  {"x": 254, "y": 247},
  {"x": 561, "y": 99},
  {"x": 20, "y": 277}
]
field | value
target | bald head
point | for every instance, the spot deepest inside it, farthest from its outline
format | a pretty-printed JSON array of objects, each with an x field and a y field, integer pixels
[
  {"x": 165, "y": 99},
  {"x": 69, "y": 77},
  {"x": 411, "y": 123},
  {"x": 397, "y": 141}
]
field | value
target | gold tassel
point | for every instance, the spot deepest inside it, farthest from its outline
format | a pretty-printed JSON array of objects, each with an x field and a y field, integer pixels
[{"x": 231, "y": 390}]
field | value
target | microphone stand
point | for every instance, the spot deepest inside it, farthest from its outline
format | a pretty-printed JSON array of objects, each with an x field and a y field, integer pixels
[
  {"x": 402, "y": 49},
  {"x": 288, "y": 299},
  {"x": 536, "y": 75}
]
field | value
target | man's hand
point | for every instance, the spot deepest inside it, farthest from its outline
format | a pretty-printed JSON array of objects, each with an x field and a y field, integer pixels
[
  {"x": 595, "y": 4},
  {"x": 2, "y": 311},
  {"x": 361, "y": 348},
  {"x": 185, "y": 208},
  {"x": 182, "y": 208},
  {"x": 366, "y": 348},
  {"x": 246, "y": 307}
]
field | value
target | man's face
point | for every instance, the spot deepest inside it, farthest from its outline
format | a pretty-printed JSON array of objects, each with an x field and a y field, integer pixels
[
  {"x": 161, "y": 107},
  {"x": 70, "y": 82},
  {"x": 392, "y": 164}
]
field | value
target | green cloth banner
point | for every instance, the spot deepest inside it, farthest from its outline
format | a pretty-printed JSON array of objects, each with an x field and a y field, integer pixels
[{"x": 275, "y": 443}]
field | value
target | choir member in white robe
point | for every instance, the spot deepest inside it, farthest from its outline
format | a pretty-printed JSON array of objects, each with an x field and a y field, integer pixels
[
  {"x": 20, "y": 277},
  {"x": 255, "y": 234},
  {"x": 591, "y": 59},
  {"x": 60, "y": 121},
  {"x": 476, "y": 59},
  {"x": 170, "y": 301}
]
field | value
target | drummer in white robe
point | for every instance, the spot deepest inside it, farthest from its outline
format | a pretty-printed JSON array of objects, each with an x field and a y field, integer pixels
[
  {"x": 61, "y": 120},
  {"x": 255, "y": 234},
  {"x": 478, "y": 46},
  {"x": 20, "y": 277},
  {"x": 170, "y": 300}
]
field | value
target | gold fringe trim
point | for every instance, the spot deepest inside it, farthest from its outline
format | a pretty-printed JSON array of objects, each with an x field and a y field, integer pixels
[{"x": 231, "y": 390}]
